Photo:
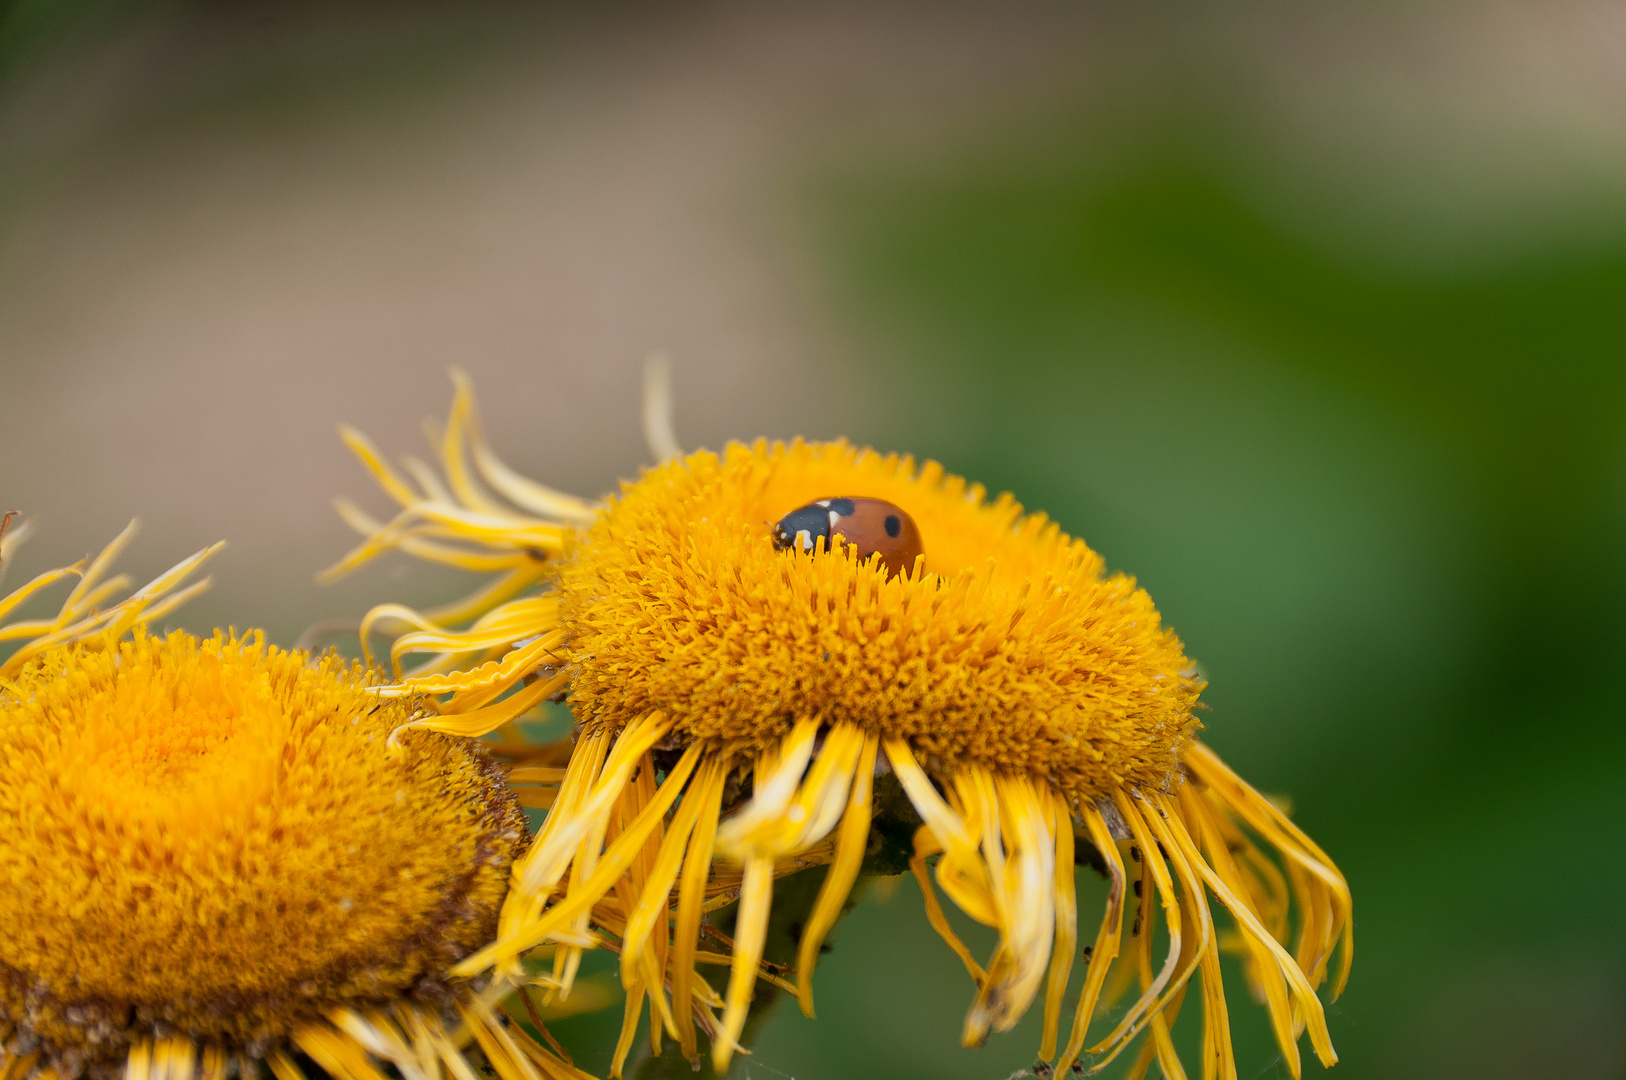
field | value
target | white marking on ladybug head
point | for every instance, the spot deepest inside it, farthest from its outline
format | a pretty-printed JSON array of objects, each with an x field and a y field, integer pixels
[
  {"x": 822, "y": 502},
  {"x": 834, "y": 517},
  {"x": 804, "y": 540}
]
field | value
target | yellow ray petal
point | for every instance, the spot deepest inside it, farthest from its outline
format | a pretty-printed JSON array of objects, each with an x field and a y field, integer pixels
[
  {"x": 1303, "y": 992},
  {"x": 691, "y": 892},
  {"x": 98, "y": 566},
  {"x": 751, "y": 930},
  {"x": 472, "y": 725},
  {"x": 1156, "y": 994},
  {"x": 50, "y": 577},
  {"x": 926, "y": 845},
  {"x": 1107, "y": 938},
  {"x": 370, "y": 457},
  {"x": 838, "y": 880},
  {"x": 582, "y": 897},
  {"x": 520, "y": 490},
  {"x": 1061, "y": 957}
]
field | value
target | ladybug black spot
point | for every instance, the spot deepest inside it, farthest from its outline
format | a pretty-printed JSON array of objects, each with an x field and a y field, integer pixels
[
  {"x": 893, "y": 525},
  {"x": 839, "y": 507}
]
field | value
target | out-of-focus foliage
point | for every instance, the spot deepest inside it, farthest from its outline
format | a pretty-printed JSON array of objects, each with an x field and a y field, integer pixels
[{"x": 30, "y": 28}]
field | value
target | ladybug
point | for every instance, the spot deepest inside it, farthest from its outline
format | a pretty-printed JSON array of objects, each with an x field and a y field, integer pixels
[{"x": 873, "y": 526}]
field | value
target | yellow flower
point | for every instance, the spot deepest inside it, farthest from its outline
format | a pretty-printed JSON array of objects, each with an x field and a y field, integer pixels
[
  {"x": 1025, "y": 701},
  {"x": 209, "y": 859}
]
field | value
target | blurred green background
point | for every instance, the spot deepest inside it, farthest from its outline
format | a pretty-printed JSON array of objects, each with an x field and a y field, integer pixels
[{"x": 1314, "y": 320}]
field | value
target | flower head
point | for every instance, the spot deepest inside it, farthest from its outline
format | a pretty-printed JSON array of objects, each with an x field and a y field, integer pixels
[
  {"x": 1009, "y": 651},
  {"x": 1030, "y": 706},
  {"x": 211, "y": 859}
]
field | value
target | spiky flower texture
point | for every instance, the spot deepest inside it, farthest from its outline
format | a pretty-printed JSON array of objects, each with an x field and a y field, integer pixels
[
  {"x": 210, "y": 862},
  {"x": 1028, "y": 703}
]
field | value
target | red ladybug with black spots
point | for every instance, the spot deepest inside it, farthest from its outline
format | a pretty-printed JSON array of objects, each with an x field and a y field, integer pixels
[{"x": 874, "y": 527}]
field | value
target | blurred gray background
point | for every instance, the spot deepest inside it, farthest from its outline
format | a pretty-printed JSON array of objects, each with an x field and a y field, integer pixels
[{"x": 1314, "y": 318}]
